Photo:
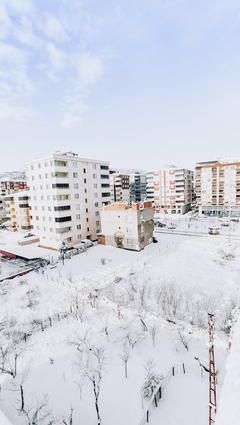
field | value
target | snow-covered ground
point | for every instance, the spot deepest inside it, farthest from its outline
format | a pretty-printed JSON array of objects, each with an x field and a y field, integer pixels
[{"x": 148, "y": 304}]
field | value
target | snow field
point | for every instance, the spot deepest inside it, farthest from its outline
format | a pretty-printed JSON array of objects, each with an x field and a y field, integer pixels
[{"x": 149, "y": 303}]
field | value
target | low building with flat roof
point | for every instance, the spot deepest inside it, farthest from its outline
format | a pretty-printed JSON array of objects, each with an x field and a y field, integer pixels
[{"x": 127, "y": 227}]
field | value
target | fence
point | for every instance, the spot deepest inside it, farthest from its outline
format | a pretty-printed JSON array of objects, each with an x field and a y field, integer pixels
[{"x": 157, "y": 395}]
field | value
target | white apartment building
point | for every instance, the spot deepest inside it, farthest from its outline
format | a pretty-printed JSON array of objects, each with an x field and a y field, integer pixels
[
  {"x": 218, "y": 187},
  {"x": 170, "y": 189},
  {"x": 67, "y": 193}
]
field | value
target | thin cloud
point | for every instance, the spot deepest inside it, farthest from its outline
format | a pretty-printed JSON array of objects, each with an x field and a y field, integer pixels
[
  {"x": 52, "y": 28},
  {"x": 74, "y": 108},
  {"x": 57, "y": 58}
]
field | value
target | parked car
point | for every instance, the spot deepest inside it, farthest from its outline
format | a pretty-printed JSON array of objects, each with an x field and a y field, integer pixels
[
  {"x": 171, "y": 227},
  {"x": 154, "y": 240},
  {"x": 235, "y": 219},
  {"x": 214, "y": 230},
  {"x": 86, "y": 242}
]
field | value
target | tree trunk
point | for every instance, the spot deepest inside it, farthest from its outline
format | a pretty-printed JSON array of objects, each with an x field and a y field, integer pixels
[{"x": 22, "y": 397}]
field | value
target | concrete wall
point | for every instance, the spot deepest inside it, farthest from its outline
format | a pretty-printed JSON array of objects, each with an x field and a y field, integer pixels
[{"x": 127, "y": 227}]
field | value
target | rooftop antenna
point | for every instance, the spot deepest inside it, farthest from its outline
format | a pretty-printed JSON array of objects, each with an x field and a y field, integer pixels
[{"x": 212, "y": 380}]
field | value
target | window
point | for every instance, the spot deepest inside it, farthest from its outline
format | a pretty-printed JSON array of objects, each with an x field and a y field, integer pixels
[
  {"x": 37, "y": 218},
  {"x": 51, "y": 229},
  {"x": 62, "y": 219},
  {"x": 60, "y": 186},
  {"x": 85, "y": 200},
  {"x": 45, "y": 164},
  {"x": 84, "y": 170},
  {"x": 42, "y": 198},
  {"x": 61, "y": 197},
  {"x": 77, "y": 206},
  {"x": 95, "y": 185},
  {"x": 96, "y": 213},
  {"x": 49, "y": 218},
  {"x": 38, "y": 228},
  {"x": 32, "y": 177},
  {"x": 32, "y": 167},
  {"x": 142, "y": 228},
  {"x": 48, "y": 198},
  {"x": 129, "y": 241},
  {"x": 96, "y": 204},
  {"x": 104, "y": 167},
  {"x": 142, "y": 239},
  {"x": 44, "y": 229},
  {"x": 59, "y": 163},
  {"x": 84, "y": 180},
  {"x": 105, "y": 195},
  {"x": 95, "y": 195},
  {"x": 105, "y": 185},
  {"x": 50, "y": 208},
  {"x": 98, "y": 231},
  {"x": 95, "y": 176},
  {"x": 40, "y": 176},
  {"x": 104, "y": 176},
  {"x": 75, "y": 175},
  {"x": 87, "y": 229},
  {"x": 86, "y": 210},
  {"x": 94, "y": 166},
  {"x": 76, "y": 196},
  {"x": 79, "y": 227},
  {"x": 47, "y": 186},
  {"x": 97, "y": 223},
  {"x": 87, "y": 219},
  {"x": 129, "y": 218},
  {"x": 41, "y": 187},
  {"x": 129, "y": 230},
  {"x": 39, "y": 165},
  {"x": 78, "y": 217},
  {"x": 75, "y": 185},
  {"x": 62, "y": 208},
  {"x": 43, "y": 208},
  {"x": 79, "y": 237},
  {"x": 35, "y": 198},
  {"x": 46, "y": 175},
  {"x": 74, "y": 164},
  {"x": 35, "y": 208},
  {"x": 44, "y": 218},
  {"x": 85, "y": 190}
]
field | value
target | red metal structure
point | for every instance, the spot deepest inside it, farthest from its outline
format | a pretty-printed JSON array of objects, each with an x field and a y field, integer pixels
[{"x": 212, "y": 380}]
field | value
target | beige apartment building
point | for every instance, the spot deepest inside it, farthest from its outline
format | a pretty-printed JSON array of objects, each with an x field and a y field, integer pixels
[
  {"x": 218, "y": 187},
  {"x": 67, "y": 193},
  {"x": 18, "y": 212},
  {"x": 170, "y": 189},
  {"x": 127, "y": 227}
]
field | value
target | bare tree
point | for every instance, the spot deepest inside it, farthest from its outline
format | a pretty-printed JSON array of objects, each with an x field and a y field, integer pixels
[
  {"x": 70, "y": 418},
  {"x": 93, "y": 368},
  {"x": 125, "y": 356},
  {"x": 153, "y": 331},
  {"x": 38, "y": 412}
]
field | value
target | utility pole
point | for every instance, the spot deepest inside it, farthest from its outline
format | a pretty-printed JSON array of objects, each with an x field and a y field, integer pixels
[{"x": 212, "y": 381}]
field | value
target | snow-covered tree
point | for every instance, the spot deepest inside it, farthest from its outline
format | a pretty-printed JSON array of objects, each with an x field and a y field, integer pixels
[{"x": 152, "y": 379}]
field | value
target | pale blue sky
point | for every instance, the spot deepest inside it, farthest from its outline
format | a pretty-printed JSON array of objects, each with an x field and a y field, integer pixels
[{"x": 138, "y": 83}]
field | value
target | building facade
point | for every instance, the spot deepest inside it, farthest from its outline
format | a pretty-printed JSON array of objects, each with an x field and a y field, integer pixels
[
  {"x": 67, "y": 193},
  {"x": 170, "y": 189},
  {"x": 138, "y": 184},
  {"x": 3, "y": 212},
  {"x": 119, "y": 188},
  {"x": 218, "y": 187},
  {"x": 18, "y": 212},
  {"x": 127, "y": 227},
  {"x": 8, "y": 186}
]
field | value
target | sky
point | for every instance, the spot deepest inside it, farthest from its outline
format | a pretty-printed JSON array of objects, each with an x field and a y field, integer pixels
[{"x": 138, "y": 83}]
